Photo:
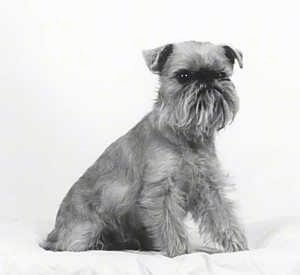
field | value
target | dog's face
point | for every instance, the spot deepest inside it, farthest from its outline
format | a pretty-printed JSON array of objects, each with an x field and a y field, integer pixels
[{"x": 196, "y": 95}]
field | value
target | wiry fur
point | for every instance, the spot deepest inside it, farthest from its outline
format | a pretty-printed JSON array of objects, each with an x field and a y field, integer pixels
[
  {"x": 140, "y": 190},
  {"x": 199, "y": 109}
]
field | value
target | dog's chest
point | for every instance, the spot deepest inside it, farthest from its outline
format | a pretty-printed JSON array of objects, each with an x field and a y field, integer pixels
[{"x": 164, "y": 162}]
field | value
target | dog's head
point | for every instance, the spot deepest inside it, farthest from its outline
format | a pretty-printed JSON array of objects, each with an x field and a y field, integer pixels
[{"x": 196, "y": 96}]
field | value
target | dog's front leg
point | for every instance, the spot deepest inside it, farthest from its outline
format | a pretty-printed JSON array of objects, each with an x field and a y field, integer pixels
[
  {"x": 162, "y": 209},
  {"x": 222, "y": 223}
]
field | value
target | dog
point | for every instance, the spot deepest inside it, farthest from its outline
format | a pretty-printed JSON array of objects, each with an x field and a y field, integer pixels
[{"x": 160, "y": 186}]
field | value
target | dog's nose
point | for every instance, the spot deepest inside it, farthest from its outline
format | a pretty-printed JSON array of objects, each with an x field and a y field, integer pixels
[{"x": 205, "y": 75}]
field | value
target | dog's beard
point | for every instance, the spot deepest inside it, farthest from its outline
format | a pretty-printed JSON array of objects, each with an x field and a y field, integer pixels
[{"x": 199, "y": 110}]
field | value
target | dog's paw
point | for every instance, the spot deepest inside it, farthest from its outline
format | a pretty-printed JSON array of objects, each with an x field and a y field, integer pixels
[
  {"x": 233, "y": 240},
  {"x": 177, "y": 249}
]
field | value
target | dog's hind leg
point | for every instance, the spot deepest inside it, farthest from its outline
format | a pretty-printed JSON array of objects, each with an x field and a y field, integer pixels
[{"x": 79, "y": 236}]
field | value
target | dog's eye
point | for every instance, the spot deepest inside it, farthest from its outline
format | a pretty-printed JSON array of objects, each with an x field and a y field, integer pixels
[
  {"x": 184, "y": 76},
  {"x": 221, "y": 75}
]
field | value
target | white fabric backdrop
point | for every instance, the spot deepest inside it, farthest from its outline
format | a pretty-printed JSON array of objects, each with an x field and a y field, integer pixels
[{"x": 72, "y": 80}]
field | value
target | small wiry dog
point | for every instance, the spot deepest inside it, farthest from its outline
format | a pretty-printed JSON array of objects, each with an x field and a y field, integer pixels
[{"x": 155, "y": 185}]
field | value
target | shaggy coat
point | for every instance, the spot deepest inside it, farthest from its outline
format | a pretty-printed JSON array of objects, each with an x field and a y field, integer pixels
[{"x": 163, "y": 175}]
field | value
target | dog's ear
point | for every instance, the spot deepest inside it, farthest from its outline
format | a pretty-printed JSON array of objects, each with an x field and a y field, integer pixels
[
  {"x": 233, "y": 54},
  {"x": 156, "y": 58}
]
